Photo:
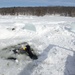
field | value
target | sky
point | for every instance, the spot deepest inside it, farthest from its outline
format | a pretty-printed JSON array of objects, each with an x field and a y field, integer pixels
[{"x": 26, "y": 3}]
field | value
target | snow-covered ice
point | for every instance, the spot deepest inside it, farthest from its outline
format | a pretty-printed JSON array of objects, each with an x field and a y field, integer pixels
[{"x": 53, "y": 38}]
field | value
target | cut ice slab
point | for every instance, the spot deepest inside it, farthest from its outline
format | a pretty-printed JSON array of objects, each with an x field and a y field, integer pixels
[
  {"x": 30, "y": 27},
  {"x": 73, "y": 26}
]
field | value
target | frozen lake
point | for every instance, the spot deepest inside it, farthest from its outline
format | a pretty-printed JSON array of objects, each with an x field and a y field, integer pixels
[{"x": 52, "y": 37}]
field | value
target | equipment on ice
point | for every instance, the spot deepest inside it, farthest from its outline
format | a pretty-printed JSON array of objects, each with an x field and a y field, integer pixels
[
  {"x": 22, "y": 48},
  {"x": 25, "y": 49}
]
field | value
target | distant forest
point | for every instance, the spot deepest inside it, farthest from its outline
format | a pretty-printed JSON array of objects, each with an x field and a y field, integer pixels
[{"x": 39, "y": 11}]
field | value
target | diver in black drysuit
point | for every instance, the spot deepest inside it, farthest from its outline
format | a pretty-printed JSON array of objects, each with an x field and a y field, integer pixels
[
  {"x": 28, "y": 50},
  {"x": 31, "y": 55}
]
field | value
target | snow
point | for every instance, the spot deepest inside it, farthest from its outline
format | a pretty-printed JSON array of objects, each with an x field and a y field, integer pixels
[{"x": 53, "y": 38}]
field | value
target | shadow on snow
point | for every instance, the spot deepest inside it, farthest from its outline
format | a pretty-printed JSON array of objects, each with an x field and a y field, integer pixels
[
  {"x": 31, "y": 66},
  {"x": 70, "y": 65}
]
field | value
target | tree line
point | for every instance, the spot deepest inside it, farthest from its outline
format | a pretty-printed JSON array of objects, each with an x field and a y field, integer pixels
[{"x": 39, "y": 11}]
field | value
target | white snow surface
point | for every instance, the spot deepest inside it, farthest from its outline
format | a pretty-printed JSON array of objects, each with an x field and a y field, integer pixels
[{"x": 53, "y": 38}]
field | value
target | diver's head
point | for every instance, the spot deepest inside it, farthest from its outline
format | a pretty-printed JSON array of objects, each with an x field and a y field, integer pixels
[{"x": 28, "y": 47}]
